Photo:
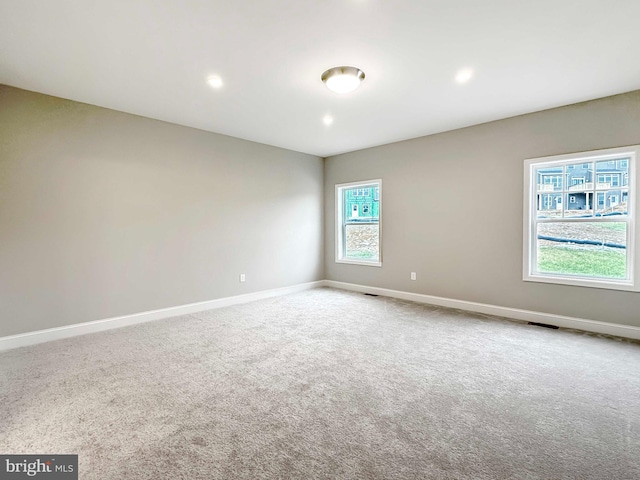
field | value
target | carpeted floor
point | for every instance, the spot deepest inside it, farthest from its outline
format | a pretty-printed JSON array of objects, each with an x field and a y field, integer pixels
[{"x": 329, "y": 384}]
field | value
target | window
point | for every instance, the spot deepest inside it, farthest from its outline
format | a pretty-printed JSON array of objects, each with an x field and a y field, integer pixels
[
  {"x": 361, "y": 192},
  {"x": 612, "y": 179},
  {"x": 577, "y": 180},
  {"x": 588, "y": 239},
  {"x": 358, "y": 236}
]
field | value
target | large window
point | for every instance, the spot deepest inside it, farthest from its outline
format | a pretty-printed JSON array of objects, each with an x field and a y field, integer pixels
[
  {"x": 588, "y": 239},
  {"x": 358, "y": 214}
]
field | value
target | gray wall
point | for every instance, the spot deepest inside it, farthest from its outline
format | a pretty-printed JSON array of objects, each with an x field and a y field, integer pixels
[
  {"x": 452, "y": 209},
  {"x": 105, "y": 214}
]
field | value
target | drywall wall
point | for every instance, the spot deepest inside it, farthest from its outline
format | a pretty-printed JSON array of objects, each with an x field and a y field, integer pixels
[
  {"x": 105, "y": 214},
  {"x": 452, "y": 209}
]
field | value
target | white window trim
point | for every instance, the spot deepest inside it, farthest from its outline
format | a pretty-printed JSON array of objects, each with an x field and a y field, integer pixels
[
  {"x": 632, "y": 283},
  {"x": 338, "y": 224}
]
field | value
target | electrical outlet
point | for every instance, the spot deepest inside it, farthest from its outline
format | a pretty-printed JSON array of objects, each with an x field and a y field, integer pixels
[
  {"x": 413, "y": 276},
  {"x": 242, "y": 277}
]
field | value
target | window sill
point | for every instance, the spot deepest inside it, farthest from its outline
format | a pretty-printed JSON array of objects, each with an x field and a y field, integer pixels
[
  {"x": 374, "y": 263},
  {"x": 612, "y": 284}
]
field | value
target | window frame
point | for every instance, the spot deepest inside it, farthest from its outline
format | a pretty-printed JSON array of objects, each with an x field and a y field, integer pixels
[
  {"x": 340, "y": 225},
  {"x": 531, "y": 220}
]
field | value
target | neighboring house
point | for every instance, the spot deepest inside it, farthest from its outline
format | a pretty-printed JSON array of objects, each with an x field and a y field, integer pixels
[
  {"x": 362, "y": 204},
  {"x": 574, "y": 186}
]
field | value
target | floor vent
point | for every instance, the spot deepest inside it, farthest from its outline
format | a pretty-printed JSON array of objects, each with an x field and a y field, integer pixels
[
  {"x": 371, "y": 294},
  {"x": 545, "y": 325}
]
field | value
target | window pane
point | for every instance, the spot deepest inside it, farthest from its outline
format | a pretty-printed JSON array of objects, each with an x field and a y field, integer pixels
[
  {"x": 578, "y": 205},
  {"x": 357, "y": 207},
  {"x": 550, "y": 179},
  {"x": 579, "y": 178},
  {"x": 612, "y": 173},
  {"x": 549, "y": 205},
  {"x": 592, "y": 249},
  {"x": 362, "y": 241},
  {"x": 611, "y": 202}
]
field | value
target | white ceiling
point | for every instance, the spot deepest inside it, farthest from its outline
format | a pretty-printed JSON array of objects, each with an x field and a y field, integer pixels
[{"x": 152, "y": 58}]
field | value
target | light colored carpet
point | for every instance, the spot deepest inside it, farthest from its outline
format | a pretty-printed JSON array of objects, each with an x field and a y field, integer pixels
[{"x": 329, "y": 384}]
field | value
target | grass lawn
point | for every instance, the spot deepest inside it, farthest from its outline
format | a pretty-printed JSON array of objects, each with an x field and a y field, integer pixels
[
  {"x": 617, "y": 226},
  {"x": 596, "y": 262},
  {"x": 361, "y": 254}
]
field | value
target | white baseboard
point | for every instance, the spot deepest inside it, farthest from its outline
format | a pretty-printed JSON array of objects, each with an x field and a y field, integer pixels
[
  {"x": 627, "y": 331},
  {"x": 40, "y": 336}
]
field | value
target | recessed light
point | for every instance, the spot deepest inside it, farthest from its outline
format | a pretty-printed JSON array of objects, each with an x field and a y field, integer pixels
[
  {"x": 214, "y": 81},
  {"x": 342, "y": 79},
  {"x": 327, "y": 120},
  {"x": 464, "y": 75}
]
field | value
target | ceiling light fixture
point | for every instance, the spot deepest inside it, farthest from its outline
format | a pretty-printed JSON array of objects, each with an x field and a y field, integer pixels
[
  {"x": 327, "y": 120},
  {"x": 464, "y": 75},
  {"x": 214, "y": 81},
  {"x": 343, "y": 79}
]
